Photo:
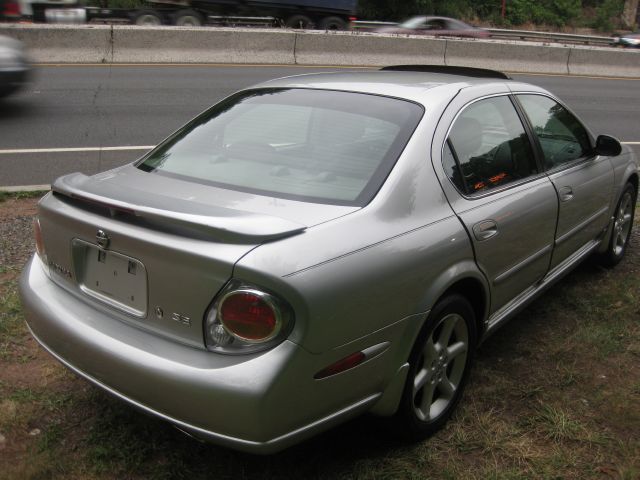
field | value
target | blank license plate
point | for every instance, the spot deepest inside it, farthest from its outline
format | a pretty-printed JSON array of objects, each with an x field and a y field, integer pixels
[{"x": 112, "y": 277}]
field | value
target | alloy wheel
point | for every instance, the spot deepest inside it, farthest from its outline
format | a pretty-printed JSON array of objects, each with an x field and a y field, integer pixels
[
  {"x": 622, "y": 225},
  {"x": 441, "y": 367}
]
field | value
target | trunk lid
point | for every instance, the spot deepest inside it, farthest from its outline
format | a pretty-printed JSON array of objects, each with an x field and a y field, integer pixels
[{"x": 153, "y": 250}]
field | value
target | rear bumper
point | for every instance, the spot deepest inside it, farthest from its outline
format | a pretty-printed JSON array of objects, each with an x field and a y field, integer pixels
[{"x": 258, "y": 403}]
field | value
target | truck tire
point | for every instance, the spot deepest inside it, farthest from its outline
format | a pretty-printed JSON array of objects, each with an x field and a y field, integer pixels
[
  {"x": 187, "y": 18},
  {"x": 332, "y": 23},
  {"x": 299, "y": 21},
  {"x": 147, "y": 17}
]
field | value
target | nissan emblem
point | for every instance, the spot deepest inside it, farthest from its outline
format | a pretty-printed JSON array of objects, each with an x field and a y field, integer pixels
[{"x": 102, "y": 239}]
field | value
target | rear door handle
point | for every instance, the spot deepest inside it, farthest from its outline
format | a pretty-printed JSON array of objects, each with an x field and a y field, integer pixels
[
  {"x": 485, "y": 230},
  {"x": 566, "y": 194}
]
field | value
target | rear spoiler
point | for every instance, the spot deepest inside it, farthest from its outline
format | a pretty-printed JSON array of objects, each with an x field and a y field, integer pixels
[
  {"x": 220, "y": 223},
  {"x": 449, "y": 70}
]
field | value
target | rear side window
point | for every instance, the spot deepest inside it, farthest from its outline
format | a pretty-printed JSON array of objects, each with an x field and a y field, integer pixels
[
  {"x": 562, "y": 137},
  {"x": 488, "y": 147},
  {"x": 303, "y": 144}
]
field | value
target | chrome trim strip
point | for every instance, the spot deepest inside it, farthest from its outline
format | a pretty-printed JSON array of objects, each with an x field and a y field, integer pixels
[
  {"x": 581, "y": 226},
  {"x": 270, "y": 446},
  {"x": 500, "y": 317},
  {"x": 519, "y": 266},
  {"x": 570, "y": 261}
]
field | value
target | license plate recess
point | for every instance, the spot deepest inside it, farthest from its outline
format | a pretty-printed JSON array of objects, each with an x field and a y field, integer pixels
[{"x": 111, "y": 277}]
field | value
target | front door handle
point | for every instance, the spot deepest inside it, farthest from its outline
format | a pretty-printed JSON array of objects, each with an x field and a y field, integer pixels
[
  {"x": 485, "y": 230},
  {"x": 566, "y": 194}
]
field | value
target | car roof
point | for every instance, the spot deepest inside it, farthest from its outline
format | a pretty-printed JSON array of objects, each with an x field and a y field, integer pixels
[{"x": 409, "y": 85}]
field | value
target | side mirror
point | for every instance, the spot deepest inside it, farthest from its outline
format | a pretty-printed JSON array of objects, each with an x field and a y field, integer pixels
[{"x": 608, "y": 146}]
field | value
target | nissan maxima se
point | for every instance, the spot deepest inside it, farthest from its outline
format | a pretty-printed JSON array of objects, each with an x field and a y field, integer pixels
[{"x": 320, "y": 246}]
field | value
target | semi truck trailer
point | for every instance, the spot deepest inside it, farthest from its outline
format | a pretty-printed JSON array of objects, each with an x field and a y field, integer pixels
[{"x": 320, "y": 14}]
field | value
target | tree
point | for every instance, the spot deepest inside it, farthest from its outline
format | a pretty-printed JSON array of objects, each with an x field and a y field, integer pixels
[
  {"x": 630, "y": 13},
  {"x": 602, "y": 14}
]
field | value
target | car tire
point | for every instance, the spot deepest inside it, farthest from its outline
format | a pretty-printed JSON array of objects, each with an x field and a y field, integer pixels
[
  {"x": 439, "y": 367},
  {"x": 622, "y": 226},
  {"x": 147, "y": 18},
  {"x": 299, "y": 21},
  {"x": 188, "y": 18},
  {"x": 332, "y": 23}
]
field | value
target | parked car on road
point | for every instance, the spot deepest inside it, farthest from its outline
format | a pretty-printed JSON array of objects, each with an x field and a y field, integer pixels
[
  {"x": 14, "y": 66},
  {"x": 320, "y": 246},
  {"x": 435, "y": 26},
  {"x": 631, "y": 40}
]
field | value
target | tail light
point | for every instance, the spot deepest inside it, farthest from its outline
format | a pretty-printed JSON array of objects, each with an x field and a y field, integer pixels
[
  {"x": 249, "y": 315},
  {"x": 245, "y": 318},
  {"x": 11, "y": 9}
]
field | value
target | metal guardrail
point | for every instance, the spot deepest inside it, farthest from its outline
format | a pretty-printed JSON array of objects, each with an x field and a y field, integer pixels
[
  {"x": 363, "y": 25},
  {"x": 552, "y": 37},
  {"x": 367, "y": 25}
]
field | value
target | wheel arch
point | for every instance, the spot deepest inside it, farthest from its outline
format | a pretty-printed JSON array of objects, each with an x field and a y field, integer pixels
[
  {"x": 477, "y": 295},
  {"x": 630, "y": 177},
  {"x": 472, "y": 286},
  {"x": 466, "y": 279},
  {"x": 633, "y": 180}
]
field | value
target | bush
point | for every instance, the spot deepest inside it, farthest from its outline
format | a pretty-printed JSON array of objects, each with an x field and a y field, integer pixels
[
  {"x": 549, "y": 12},
  {"x": 605, "y": 12}
]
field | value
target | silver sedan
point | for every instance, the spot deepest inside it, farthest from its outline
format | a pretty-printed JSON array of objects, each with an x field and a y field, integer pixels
[{"x": 320, "y": 246}]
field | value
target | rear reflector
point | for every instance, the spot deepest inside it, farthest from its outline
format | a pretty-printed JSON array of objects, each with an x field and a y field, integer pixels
[{"x": 346, "y": 363}]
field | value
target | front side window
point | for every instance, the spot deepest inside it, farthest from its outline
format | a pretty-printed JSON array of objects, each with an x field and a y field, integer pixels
[
  {"x": 488, "y": 147},
  {"x": 562, "y": 137},
  {"x": 436, "y": 25},
  {"x": 303, "y": 144}
]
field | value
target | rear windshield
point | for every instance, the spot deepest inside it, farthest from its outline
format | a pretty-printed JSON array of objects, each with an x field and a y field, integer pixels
[{"x": 303, "y": 144}]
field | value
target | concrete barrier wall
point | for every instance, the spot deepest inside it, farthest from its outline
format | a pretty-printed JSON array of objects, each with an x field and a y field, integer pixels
[
  {"x": 202, "y": 45},
  {"x": 63, "y": 44},
  {"x": 128, "y": 44},
  {"x": 520, "y": 57},
  {"x": 605, "y": 62},
  {"x": 319, "y": 48}
]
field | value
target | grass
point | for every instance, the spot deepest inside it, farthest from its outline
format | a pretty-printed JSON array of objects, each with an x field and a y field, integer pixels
[
  {"x": 556, "y": 424},
  {"x": 11, "y": 321},
  {"x": 554, "y": 394},
  {"x": 4, "y": 196}
]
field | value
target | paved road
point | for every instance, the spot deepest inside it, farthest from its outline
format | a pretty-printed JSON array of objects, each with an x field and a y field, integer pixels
[{"x": 81, "y": 107}]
